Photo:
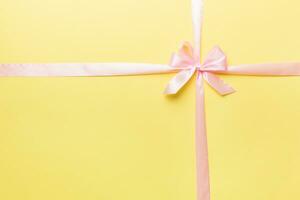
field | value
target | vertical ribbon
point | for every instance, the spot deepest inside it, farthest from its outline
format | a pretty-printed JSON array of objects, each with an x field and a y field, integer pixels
[
  {"x": 203, "y": 187},
  {"x": 197, "y": 17}
]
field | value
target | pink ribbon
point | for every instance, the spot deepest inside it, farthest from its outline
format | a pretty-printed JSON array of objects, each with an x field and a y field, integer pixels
[{"x": 187, "y": 63}]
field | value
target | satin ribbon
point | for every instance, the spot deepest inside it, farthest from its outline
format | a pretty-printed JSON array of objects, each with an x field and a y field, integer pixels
[{"x": 186, "y": 63}]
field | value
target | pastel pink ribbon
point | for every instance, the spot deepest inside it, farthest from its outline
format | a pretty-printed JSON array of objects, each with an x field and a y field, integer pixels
[{"x": 187, "y": 63}]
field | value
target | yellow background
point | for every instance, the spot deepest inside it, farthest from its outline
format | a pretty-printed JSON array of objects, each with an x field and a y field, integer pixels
[{"x": 118, "y": 137}]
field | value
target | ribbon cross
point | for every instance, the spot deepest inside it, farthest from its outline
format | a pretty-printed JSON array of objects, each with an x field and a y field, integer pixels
[
  {"x": 186, "y": 60},
  {"x": 187, "y": 63}
]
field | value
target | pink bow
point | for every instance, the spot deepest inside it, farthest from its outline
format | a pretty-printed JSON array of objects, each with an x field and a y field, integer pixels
[{"x": 188, "y": 62}]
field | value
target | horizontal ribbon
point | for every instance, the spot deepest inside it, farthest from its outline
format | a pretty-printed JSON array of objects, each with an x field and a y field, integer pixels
[
  {"x": 125, "y": 69},
  {"x": 185, "y": 63},
  {"x": 82, "y": 69}
]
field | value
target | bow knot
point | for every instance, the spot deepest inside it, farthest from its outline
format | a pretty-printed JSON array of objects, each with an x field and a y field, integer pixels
[{"x": 189, "y": 63}]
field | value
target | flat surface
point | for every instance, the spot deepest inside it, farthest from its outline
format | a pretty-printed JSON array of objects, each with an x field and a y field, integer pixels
[{"x": 119, "y": 137}]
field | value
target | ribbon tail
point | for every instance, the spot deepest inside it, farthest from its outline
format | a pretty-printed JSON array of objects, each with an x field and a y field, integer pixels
[
  {"x": 202, "y": 167},
  {"x": 218, "y": 84},
  {"x": 179, "y": 81},
  {"x": 83, "y": 69},
  {"x": 268, "y": 69}
]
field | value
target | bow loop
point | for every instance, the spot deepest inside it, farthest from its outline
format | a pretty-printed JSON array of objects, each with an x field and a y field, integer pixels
[
  {"x": 215, "y": 61},
  {"x": 184, "y": 58}
]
